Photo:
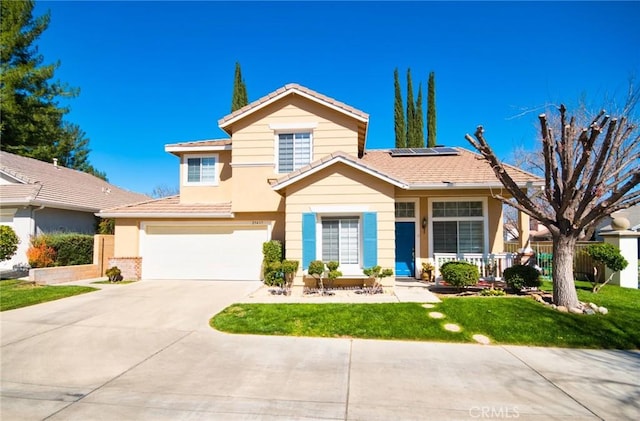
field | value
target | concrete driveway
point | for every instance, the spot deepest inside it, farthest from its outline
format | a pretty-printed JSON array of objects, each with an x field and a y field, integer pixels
[{"x": 144, "y": 351}]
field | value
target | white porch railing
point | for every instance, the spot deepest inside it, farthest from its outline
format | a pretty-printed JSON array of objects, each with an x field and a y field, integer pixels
[{"x": 491, "y": 266}]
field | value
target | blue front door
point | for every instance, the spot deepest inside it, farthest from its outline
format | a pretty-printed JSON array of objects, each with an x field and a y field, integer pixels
[{"x": 405, "y": 248}]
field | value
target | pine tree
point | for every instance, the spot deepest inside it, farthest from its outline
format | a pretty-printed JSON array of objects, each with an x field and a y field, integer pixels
[
  {"x": 419, "y": 126},
  {"x": 411, "y": 113},
  {"x": 398, "y": 113},
  {"x": 431, "y": 111},
  {"x": 239, "y": 98},
  {"x": 32, "y": 122}
]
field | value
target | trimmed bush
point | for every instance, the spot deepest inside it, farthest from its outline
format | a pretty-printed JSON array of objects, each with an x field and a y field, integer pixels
[
  {"x": 459, "y": 273},
  {"x": 71, "y": 248},
  {"x": 316, "y": 268},
  {"x": 272, "y": 263},
  {"x": 8, "y": 242},
  {"x": 114, "y": 273},
  {"x": 521, "y": 276},
  {"x": 609, "y": 255},
  {"x": 40, "y": 255}
]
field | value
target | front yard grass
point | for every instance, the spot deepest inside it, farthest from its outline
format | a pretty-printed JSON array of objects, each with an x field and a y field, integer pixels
[
  {"x": 15, "y": 294},
  {"x": 505, "y": 320}
]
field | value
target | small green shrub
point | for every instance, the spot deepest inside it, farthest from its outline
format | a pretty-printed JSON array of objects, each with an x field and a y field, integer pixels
[
  {"x": 8, "y": 242},
  {"x": 521, "y": 276},
  {"x": 107, "y": 226},
  {"x": 459, "y": 273},
  {"x": 316, "y": 268},
  {"x": 114, "y": 274},
  {"x": 272, "y": 263},
  {"x": 492, "y": 292},
  {"x": 610, "y": 256},
  {"x": 333, "y": 272}
]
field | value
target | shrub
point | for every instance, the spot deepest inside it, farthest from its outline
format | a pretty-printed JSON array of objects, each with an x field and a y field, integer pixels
[
  {"x": 333, "y": 272},
  {"x": 71, "y": 248},
  {"x": 271, "y": 263},
  {"x": 8, "y": 242},
  {"x": 289, "y": 269},
  {"x": 492, "y": 292},
  {"x": 610, "y": 256},
  {"x": 40, "y": 255},
  {"x": 107, "y": 226},
  {"x": 521, "y": 276},
  {"x": 114, "y": 273},
  {"x": 460, "y": 273}
]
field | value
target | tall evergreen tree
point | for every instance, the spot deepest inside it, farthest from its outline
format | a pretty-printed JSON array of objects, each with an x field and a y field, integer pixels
[
  {"x": 411, "y": 113},
  {"x": 32, "y": 122},
  {"x": 419, "y": 126},
  {"x": 431, "y": 111},
  {"x": 398, "y": 113},
  {"x": 239, "y": 98}
]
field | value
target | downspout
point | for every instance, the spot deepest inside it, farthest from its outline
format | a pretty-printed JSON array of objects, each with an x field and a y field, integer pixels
[{"x": 33, "y": 219}]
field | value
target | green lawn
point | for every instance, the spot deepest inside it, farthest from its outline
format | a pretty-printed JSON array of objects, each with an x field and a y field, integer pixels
[
  {"x": 16, "y": 294},
  {"x": 506, "y": 320}
]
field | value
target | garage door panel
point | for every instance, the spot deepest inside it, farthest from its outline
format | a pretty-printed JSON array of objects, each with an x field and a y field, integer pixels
[{"x": 202, "y": 252}]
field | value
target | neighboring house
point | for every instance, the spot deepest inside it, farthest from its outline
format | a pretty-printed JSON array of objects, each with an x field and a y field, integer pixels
[
  {"x": 38, "y": 197},
  {"x": 632, "y": 214},
  {"x": 296, "y": 169}
]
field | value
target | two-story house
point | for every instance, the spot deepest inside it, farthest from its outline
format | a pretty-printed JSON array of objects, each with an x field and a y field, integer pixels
[{"x": 295, "y": 168}]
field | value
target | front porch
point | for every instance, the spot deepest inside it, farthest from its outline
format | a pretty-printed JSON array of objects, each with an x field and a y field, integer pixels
[{"x": 491, "y": 266}]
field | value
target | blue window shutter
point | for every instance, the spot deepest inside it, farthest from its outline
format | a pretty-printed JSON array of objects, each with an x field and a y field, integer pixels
[
  {"x": 370, "y": 237},
  {"x": 308, "y": 239}
]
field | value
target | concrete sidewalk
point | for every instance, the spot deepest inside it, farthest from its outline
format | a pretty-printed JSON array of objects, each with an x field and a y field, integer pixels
[{"x": 144, "y": 351}]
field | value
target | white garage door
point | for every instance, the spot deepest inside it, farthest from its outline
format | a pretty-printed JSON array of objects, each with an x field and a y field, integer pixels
[{"x": 202, "y": 252}]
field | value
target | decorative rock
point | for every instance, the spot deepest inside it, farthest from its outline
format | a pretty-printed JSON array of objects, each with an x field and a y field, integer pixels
[
  {"x": 451, "y": 327},
  {"x": 481, "y": 339},
  {"x": 620, "y": 223},
  {"x": 436, "y": 315},
  {"x": 603, "y": 310},
  {"x": 562, "y": 309},
  {"x": 575, "y": 310},
  {"x": 428, "y": 305},
  {"x": 593, "y": 306},
  {"x": 589, "y": 311},
  {"x": 553, "y": 306}
]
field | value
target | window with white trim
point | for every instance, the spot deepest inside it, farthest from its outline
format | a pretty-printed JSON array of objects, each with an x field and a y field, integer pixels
[
  {"x": 341, "y": 240},
  {"x": 201, "y": 169},
  {"x": 405, "y": 209},
  {"x": 458, "y": 227},
  {"x": 294, "y": 151}
]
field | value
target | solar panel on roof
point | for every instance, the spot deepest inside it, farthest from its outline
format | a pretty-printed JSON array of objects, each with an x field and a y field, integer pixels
[{"x": 438, "y": 150}]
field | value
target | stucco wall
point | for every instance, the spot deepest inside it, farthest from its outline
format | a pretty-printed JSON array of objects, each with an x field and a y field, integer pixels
[
  {"x": 61, "y": 220},
  {"x": 126, "y": 238},
  {"x": 341, "y": 186},
  {"x": 208, "y": 194},
  {"x": 254, "y": 147},
  {"x": 21, "y": 224}
]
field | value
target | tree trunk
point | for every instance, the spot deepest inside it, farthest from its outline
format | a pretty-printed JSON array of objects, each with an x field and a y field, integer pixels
[{"x": 564, "y": 288}]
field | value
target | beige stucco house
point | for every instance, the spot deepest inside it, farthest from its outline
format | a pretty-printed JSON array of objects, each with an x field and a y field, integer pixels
[{"x": 295, "y": 168}]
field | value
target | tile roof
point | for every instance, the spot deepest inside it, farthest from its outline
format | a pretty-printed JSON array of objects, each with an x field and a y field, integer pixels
[
  {"x": 292, "y": 88},
  {"x": 465, "y": 168},
  {"x": 42, "y": 183},
  {"x": 170, "y": 207}
]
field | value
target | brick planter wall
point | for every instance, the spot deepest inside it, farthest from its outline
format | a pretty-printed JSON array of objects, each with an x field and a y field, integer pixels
[
  {"x": 130, "y": 267},
  {"x": 56, "y": 275}
]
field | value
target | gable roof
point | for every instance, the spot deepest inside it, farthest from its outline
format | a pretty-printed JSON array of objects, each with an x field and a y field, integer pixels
[
  {"x": 226, "y": 122},
  {"x": 40, "y": 183},
  {"x": 169, "y": 207},
  {"x": 464, "y": 170},
  {"x": 332, "y": 159}
]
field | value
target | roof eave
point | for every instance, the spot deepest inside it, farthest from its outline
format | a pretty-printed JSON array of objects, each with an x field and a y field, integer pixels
[
  {"x": 454, "y": 185},
  {"x": 174, "y": 215},
  {"x": 177, "y": 150}
]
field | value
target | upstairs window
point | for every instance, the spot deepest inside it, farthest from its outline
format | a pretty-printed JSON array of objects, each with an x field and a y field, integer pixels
[
  {"x": 201, "y": 170},
  {"x": 294, "y": 151}
]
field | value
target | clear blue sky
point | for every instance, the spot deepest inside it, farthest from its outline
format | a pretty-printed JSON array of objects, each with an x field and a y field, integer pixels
[{"x": 153, "y": 73}]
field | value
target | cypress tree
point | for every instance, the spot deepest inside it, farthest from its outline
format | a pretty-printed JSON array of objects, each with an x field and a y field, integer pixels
[
  {"x": 239, "y": 98},
  {"x": 419, "y": 126},
  {"x": 411, "y": 113},
  {"x": 398, "y": 113},
  {"x": 431, "y": 111}
]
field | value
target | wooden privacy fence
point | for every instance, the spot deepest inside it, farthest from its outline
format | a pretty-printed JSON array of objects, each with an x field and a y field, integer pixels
[{"x": 582, "y": 262}]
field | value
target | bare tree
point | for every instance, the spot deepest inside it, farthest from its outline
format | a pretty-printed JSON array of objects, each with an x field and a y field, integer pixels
[
  {"x": 163, "y": 190},
  {"x": 590, "y": 171}
]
